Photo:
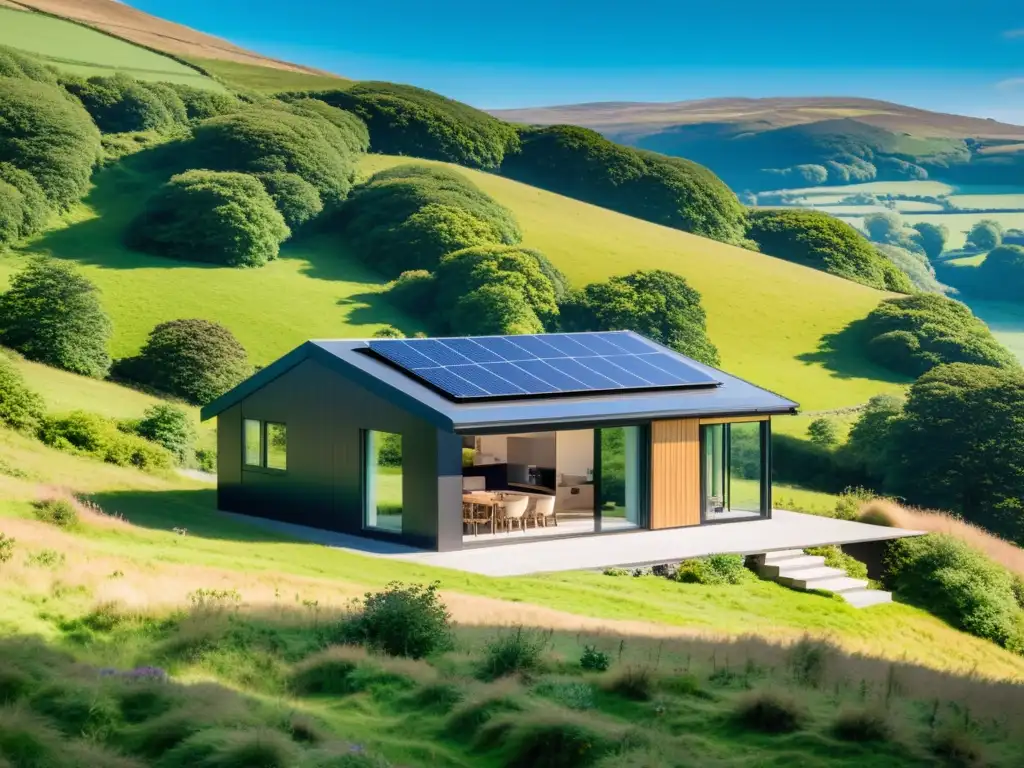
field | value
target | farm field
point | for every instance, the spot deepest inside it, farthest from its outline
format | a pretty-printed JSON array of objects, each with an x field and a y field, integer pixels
[
  {"x": 1006, "y": 320},
  {"x": 265, "y": 79},
  {"x": 959, "y": 224},
  {"x": 87, "y": 52}
]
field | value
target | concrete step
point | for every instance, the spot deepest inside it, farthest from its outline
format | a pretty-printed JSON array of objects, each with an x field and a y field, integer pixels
[
  {"x": 837, "y": 584},
  {"x": 863, "y": 598},
  {"x": 799, "y": 578},
  {"x": 782, "y": 554},
  {"x": 790, "y": 565}
]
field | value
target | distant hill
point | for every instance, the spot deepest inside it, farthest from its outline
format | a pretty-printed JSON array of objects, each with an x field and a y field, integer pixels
[{"x": 769, "y": 143}]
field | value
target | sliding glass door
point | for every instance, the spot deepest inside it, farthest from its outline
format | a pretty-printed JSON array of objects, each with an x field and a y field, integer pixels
[
  {"x": 619, "y": 478},
  {"x": 734, "y": 461}
]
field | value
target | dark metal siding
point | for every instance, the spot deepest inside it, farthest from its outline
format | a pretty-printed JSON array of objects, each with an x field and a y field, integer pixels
[{"x": 325, "y": 416}]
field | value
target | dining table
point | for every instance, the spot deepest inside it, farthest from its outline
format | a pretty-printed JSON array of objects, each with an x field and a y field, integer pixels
[{"x": 487, "y": 500}]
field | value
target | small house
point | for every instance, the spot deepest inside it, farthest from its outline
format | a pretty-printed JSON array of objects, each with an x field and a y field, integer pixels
[{"x": 450, "y": 443}]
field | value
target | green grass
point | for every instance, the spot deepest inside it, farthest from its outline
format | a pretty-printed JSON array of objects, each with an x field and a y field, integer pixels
[
  {"x": 82, "y": 51},
  {"x": 927, "y": 187},
  {"x": 266, "y": 79}
]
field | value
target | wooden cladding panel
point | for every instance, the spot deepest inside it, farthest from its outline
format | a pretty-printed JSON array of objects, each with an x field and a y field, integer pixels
[{"x": 675, "y": 473}]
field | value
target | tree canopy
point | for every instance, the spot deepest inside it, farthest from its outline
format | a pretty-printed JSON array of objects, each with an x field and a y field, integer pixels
[
  {"x": 883, "y": 227},
  {"x": 932, "y": 237},
  {"x": 658, "y": 304},
  {"x": 913, "y": 334},
  {"x": 985, "y": 235},
  {"x": 219, "y": 217},
  {"x": 671, "y": 191},
  {"x": 119, "y": 103},
  {"x": 817, "y": 240},
  {"x": 1001, "y": 274},
  {"x": 21, "y": 409},
  {"x": 15, "y": 63},
  {"x": 916, "y": 266},
  {"x": 52, "y": 314}
]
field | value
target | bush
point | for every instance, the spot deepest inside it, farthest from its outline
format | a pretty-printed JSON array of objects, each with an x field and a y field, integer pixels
[
  {"x": 343, "y": 129},
  {"x": 634, "y": 683},
  {"x": 410, "y": 216},
  {"x": 60, "y": 512},
  {"x": 413, "y": 292},
  {"x": 6, "y": 548},
  {"x": 15, "y": 63},
  {"x": 402, "y": 620},
  {"x": 836, "y": 558},
  {"x": 494, "y": 310},
  {"x": 119, "y": 103},
  {"x": 820, "y": 241},
  {"x": 206, "y": 460},
  {"x": 266, "y": 140},
  {"x": 53, "y": 315},
  {"x": 824, "y": 432},
  {"x": 769, "y": 712},
  {"x": 21, "y": 409},
  {"x": 913, "y": 334},
  {"x": 11, "y": 214},
  {"x": 670, "y": 191},
  {"x": 202, "y": 103},
  {"x": 222, "y": 218},
  {"x": 48, "y": 135},
  {"x": 31, "y": 209},
  {"x": 169, "y": 426},
  {"x": 932, "y": 238},
  {"x": 658, "y": 304},
  {"x": 985, "y": 235},
  {"x": 404, "y": 120},
  {"x": 99, "y": 438},
  {"x": 594, "y": 660},
  {"x": 296, "y": 199},
  {"x": 1001, "y": 274},
  {"x": 713, "y": 569},
  {"x": 950, "y": 579},
  {"x": 916, "y": 266},
  {"x": 518, "y": 651},
  {"x": 862, "y": 725},
  {"x": 196, "y": 360}
]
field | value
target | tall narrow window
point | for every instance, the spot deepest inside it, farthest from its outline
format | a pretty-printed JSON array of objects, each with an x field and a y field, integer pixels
[
  {"x": 277, "y": 446},
  {"x": 253, "y": 438},
  {"x": 383, "y": 481},
  {"x": 734, "y": 462},
  {"x": 619, "y": 478}
]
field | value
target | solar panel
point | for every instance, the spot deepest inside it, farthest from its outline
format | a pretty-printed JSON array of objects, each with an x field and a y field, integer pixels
[{"x": 475, "y": 368}]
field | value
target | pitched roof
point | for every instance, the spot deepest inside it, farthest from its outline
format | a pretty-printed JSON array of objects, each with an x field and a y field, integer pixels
[{"x": 350, "y": 358}]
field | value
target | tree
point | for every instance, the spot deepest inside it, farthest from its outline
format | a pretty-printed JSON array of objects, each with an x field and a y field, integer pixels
[
  {"x": 1001, "y": 274},
  {"x": 15, "y": 63},
  {"x": 985, "y": 235},
  {"x": 196, "y": 360},
  {"x": 48, "y": 135},
  {"x": 296, "y": 199},
  {"x": 824, "y": 432},
  {"x": 119, "y": 103},
  {"x": 868, "y": 446},
  {"x": 915, "y": 265},
  {"x": 388, "y": 332},
  {"x": 959, "y": 443},
  {"x": 170, "y": 426},
  {"x": 21, "y": 409},
  {"x": 52, "y": 314},
  {"x": 202, "y": 103},
  {"x": 657, "y": 304},
  {"x": 495, "y": 309},
  {"x": 223, "y": 218},
  {"x": 932, "y": 237},
  {"x": 913, "y": 334},
  {"x": 820, "y": 241},
  {"x": 883, "y": 227}
]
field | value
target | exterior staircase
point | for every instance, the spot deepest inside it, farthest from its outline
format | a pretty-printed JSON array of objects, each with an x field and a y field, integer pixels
[{"x": 796, "y": 570}]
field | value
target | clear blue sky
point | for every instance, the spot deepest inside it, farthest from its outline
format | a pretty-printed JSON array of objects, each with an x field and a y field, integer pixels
[{"x": 948, "y": 55}]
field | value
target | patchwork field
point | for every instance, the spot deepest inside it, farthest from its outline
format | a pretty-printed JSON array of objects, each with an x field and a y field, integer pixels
[
  {"x": 87, "y": 52},
  {"x": 264, "y": 79}
]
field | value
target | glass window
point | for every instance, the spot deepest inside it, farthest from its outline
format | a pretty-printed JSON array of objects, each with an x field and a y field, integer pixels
[
  {"x": 619, "y": 477},
  {"x": 733, "y": 459},
  {"x": 253, "y": 438},
  {"x": 383, "y": 481},
  {"x": 277, "y": 446}
]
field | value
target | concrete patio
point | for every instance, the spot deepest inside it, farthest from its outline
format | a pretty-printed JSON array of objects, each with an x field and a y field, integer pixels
[{"x": 785, "y": 530}]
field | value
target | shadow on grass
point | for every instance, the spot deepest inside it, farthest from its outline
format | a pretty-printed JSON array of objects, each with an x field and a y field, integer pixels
[{"x": 844, "y": 354}]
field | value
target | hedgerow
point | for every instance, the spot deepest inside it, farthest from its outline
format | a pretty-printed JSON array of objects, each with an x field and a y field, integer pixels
[
  {"x": 349, "y": 131},
  {"x": 913, "y": 334},
  {"x": 219, "y": 217},
  {"x": 820, "y": 241},
  {"x": 404, "y": 120},
  {"x": 15, "y": 63},
  {"x": 49, "y": 135},
  {"x": 118, "y": 103},
  {"x": 32, "y": 209},
  {"x": 100, "y": 438},
  {"x": 202, "y": 103}
]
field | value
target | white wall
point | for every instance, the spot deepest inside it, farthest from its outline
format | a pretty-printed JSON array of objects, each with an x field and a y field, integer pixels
[
  {"x": 491, "y": 449},
  {"x": 574, "y": 452}
]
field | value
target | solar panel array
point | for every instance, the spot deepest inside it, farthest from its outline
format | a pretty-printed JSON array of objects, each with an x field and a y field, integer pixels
[{"x": 541, "y": 364}]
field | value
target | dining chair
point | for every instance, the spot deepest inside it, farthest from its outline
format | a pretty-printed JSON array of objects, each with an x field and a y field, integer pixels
[
  {"x": 544, "y": 510},
  {"x": 515, "y": 512}
]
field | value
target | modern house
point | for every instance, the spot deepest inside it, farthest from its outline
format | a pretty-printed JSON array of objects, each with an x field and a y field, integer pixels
[{"x": 453, "y": 443}]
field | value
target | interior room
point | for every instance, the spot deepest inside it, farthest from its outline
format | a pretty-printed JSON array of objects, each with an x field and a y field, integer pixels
[{"x": 556, "y": 483}]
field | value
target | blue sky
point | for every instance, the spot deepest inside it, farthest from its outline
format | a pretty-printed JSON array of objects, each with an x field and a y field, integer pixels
[{"x": 932, "y": 54}]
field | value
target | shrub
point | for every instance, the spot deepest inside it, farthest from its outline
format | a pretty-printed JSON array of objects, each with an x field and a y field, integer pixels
[
  {"x": 119, "y": 103},
  {"x": 264, "y": 140},
  {"x": 222, "y": 218},
  {"x": 231, "y": 748},
  {"x": 60, "y": 512},
  {"x": 403, "y": 620},
  {"x": 98, "y": 437},
  {"x": 862, "y": 725},
  {"x": 169, "y": 426},
  {"x": 553, "y": 740},
  {"x": 713, "y": 569},
  {"x": 769, "y": 712},
  {"x": 52, "y": 314},
  {"x": 32, "y": 209},
  {"x": 635, "y": 683},
  {"x": 836, "y": 558},
  {"x": 11, "y": 214},
  {"x": 518, "y": 651},
  {"x": 21, "y": 409},
  {"x": 670, "y": 191},
  {"x": 206, "y": 460},
  {"x": 594, "y": 660},
  {"x": 15, "y": 63},
  {"x": 296, "y": 199},
  {"x": 985, "y": 235},
  {"x": 413, "y": 292},
  {"x": 950, "y": 579},
  {"x": 917, "y": 267},
  {"x": 342, "y": 128},
  {"x": 913, "y": 334},
  {"x": 48, "y": 135},
  {"x": 579, "y": 696},
  {"x": 494, "y": 309},
  {"x": 1001, "y": 274},
  {"x": 932, "y": 238},
  {"x": 410, "y": 216},
  {"x": 196, "y": 360},
  {"x": 818, "y": 240},
  {"x": 202, "y": 103},
  {"x": 824, "y": 432},
  {"x": 6, "y": 548},
  {"x": 404, "y": 120},
  {"x": 658, "y": 304}
]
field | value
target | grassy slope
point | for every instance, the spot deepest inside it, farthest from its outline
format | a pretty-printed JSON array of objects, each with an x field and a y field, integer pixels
[
  {"x": 86, "y": 52},
  {"x": 265, "y": 79}
]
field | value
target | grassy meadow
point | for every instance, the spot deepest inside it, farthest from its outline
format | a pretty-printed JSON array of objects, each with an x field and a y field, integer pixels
[
  {"x": 82, "y": 51},
  {"x": 265, "y": 79}
]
